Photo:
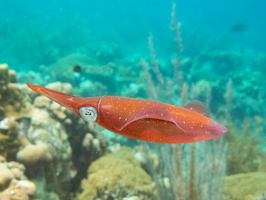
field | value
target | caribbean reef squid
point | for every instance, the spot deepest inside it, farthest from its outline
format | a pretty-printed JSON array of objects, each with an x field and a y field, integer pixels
[{"x": 141, "y": 119}]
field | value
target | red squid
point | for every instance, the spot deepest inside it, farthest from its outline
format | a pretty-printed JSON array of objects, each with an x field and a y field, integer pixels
[{"x": 141, "y": 119}]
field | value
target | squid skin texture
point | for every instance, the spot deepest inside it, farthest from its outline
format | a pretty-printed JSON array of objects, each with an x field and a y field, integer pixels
[{"x": 143, "y": 119}]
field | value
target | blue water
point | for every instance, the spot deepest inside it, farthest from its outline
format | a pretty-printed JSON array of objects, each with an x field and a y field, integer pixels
[{"x": 126, "y": 24}]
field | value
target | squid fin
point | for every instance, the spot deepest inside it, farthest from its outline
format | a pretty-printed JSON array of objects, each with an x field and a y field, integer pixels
[{"x": 199, "y": 107}]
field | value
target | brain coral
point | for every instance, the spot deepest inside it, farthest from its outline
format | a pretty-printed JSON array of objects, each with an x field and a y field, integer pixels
[{"x": 117, "y": 175}]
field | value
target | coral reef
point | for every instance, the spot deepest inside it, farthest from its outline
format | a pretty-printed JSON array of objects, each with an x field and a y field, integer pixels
[
  {"x": 116, "y": 176},
  {"x": 26, "y": 135},
  {"x": 68, "y": 156},
  {"x": 246, "y": 186},
  {"x": 46, "y": 138},
  {"x": 16, "y": 102},
  {"x": 13, "y": 182},
  {"x": 13, "y": 100},
  {"x": 59, "y": 150},
  {"x": 9, "y": 141},
  {"x": 14, "y": 105},
  {"x": 41, "y": 134}
]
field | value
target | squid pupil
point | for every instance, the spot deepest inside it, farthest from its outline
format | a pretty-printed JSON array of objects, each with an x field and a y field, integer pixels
[{"x": 88, "y": 112}]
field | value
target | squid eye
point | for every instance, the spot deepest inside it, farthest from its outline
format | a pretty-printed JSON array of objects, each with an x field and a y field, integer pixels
[{"x": 89, "y": 114}]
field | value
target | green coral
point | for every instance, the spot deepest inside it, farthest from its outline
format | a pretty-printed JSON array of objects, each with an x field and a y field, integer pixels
[
  {"x": 248, "y": 186},
  {"x": 117, "y": 175}
]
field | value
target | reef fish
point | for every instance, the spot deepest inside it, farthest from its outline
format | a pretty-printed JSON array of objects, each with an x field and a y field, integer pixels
[
  {"x": 141, "y": 119},
  {"x": 76, "y": 68}
]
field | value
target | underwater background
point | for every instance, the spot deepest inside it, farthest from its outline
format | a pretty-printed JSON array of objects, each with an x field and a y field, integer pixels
[{"x": 167, "y": 51}]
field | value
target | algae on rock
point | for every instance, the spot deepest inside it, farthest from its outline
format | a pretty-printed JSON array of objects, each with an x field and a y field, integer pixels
[
  {"x": 245, "y": 186},
  {"x": 117, "y": 175}
]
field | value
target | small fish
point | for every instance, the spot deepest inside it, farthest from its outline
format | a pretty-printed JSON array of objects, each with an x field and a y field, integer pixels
[
  {"x": 141, "y": 119},
  {"x": 76, "y": 68}
]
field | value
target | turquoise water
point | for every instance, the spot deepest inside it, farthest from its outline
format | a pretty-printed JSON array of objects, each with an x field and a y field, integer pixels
[
  {"x": 68, "y": 26},
  {"x": 167, "y": 51}
]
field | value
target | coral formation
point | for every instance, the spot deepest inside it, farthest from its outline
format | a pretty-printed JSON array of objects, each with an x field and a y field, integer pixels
[
  {"x": 246, "y": 186},
  {"x": 13, "y": 182},
  {"x": 9, "y": 141},
  {"x": 13, "y": 100},
  {"x": 3, "y": 78},
  {"x": 16, "y": 102},
  {"x": 76, "y": 145},
  {"x": 116, "y": 176},
  {"x": 41, "y": 132},
  {"x": 34, "y": 155},
  {"x": 38, "y": 135}
]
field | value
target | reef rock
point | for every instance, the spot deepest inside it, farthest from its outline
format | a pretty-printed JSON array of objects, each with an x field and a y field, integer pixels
[{"x": 116, "y": 176}]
